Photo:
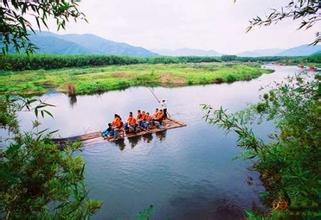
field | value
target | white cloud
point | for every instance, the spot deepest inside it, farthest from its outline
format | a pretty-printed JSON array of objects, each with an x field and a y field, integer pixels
[{"x": 204, "y": 24}]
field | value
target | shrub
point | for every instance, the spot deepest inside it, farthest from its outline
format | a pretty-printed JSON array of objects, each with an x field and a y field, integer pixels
[
  {"x": 289, "y": 162},
  {"x": 230, "y": 78},
  {"x": 38, "y": 180}
]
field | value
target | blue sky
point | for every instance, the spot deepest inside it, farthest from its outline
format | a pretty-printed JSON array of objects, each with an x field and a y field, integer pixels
[{"x": 204, "y": 24}]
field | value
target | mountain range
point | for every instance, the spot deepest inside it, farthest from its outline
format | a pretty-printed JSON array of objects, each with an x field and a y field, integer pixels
[
  {"x": 52, "y": 43},
  {"x": 303, "y": 50},
  {"x": 261, "y": 52}
]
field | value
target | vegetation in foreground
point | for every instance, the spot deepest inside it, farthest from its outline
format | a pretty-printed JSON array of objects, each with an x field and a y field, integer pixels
[
  {"x": 289, "y": 162},
  {"x": 38, "y": 180},
  {"x": 91, "y": 80}
]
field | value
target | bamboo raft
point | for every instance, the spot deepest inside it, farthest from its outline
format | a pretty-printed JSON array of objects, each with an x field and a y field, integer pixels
[{"x": 168, "y": 123}]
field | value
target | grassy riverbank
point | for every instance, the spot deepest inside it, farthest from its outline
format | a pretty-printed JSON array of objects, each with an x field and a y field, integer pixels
[
  {"x": 313, "y": 60},
  {"x": 99, "y": 79}
]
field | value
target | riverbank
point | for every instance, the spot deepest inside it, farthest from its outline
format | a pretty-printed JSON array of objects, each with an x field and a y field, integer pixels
[
  {"x": 101, "y": 79},
  {"x": 313, "y": 60},
  {"x": 287, "y": 162}
]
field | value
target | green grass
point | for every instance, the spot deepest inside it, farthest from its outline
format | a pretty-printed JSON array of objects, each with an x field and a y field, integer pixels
[
  {"x": 313, "y": 60},
  {"x": 20, "y": 62},
  {"x": 99, "y": 79}
]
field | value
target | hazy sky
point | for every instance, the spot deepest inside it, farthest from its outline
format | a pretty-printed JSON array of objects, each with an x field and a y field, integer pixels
[{"x": 170, "y": 24}]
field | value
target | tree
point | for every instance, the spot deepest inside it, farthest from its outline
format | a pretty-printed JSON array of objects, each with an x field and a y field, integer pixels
[
  {"x": 15, "y": 25},
  {"x": 227, "y": 58},
  {"x": 288, "y": 160},
  {"x": 38, "y": 180},
  {"x": 304, "y": 10}
]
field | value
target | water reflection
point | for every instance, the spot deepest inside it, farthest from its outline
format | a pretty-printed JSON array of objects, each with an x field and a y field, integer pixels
[
  {"x": 215, "y": 208},
  {"x": 146, "y": 138},
  {"x": 134, "y": 141},
  {"x": 203, "y": 205},
  {"x": 161, "y": 135},
  {"x": 121, "y": 144},
  {"x": 72, "y": 100}
]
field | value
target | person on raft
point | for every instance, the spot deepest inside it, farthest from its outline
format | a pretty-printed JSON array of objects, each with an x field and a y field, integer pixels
[
  {"x": 117, "y": 125},
  {"x": 155, "y": 113},
  {"x": 109, "y": 132},
  {"x": 163, "y": 106},
  {"x": 139, "y": 118},
  {"x": 131, "y": 124},
  {"x": 148, "y": 121},
  {"x": 158, "y": 119},
  {"x": 143, "y": 121}
]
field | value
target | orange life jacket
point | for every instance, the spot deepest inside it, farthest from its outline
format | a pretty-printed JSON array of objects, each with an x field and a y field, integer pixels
[
  {"x": 139, "y": 116},
  {"x": 159, "y": 116},
  {"x": 143, "y": 117},
  {"x": 131, "y": 121},
  {"x": 148, "y": 118},
  {"x": 116, "y": 122},
  {"x": 155, "y": 115}
]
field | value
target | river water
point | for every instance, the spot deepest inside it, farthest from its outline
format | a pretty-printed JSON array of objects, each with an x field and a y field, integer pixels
[{"x": 185, "y": 173}]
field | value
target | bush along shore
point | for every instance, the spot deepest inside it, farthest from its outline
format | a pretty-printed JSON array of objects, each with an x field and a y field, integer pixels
[
  {"x": 289, "y": 162},
  {"x": 80, "y": 80},
  {"x": 19, "y": 62}
]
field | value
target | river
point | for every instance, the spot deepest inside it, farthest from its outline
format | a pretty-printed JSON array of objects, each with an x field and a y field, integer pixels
[{"x": 185, "y": 173}]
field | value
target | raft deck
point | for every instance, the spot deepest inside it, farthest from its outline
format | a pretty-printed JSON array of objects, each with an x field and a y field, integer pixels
[{"x": 167, "y": 124}]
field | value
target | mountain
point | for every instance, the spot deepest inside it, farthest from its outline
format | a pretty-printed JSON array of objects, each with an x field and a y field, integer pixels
[
  {"x": 186, "y": 52},
  {"x": 51, "y": 43},
  {"x": 102, "y": 46},
  {"x": 261, "y": 52},
  {"x": 303, "y": 50}
]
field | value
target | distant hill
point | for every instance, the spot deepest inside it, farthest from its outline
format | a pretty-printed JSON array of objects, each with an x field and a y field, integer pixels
[
  {"x": 304, "y": 50},
  {"x": 51, "y": 43},
  {"x": 261, "y": 52},
  {"x": 186, "y": 52},
  {"x": 102, "y": 46}
]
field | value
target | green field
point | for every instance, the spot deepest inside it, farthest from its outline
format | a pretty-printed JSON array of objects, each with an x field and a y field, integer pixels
[
  {"x": 313, "y": 60},
  {"x": 105, "y": 78}
]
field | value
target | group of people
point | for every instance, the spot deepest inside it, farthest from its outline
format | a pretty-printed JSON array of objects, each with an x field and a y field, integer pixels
[{"x": 142, "y": 121}]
